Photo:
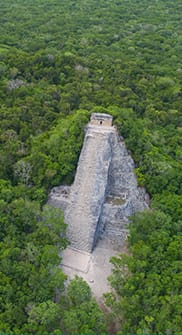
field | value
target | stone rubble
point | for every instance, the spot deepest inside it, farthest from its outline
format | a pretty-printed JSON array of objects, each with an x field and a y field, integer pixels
[{"x": 104, "y": 193}]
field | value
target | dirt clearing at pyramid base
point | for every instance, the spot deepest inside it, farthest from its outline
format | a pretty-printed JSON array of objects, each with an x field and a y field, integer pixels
[{"x": 93, "y": 267}]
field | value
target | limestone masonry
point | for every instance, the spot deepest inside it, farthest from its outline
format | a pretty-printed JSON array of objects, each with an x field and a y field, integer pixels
[{"x": 104, "y": 193}]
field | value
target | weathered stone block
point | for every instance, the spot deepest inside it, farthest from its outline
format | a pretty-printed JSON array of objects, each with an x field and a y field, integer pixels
[{"x": 104, "y": 193}]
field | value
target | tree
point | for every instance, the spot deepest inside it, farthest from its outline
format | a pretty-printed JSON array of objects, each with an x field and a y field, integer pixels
[
  {"x": 147, "y": 283},
  {"x": 82, "y": 316},
  {"x": 29, "y": 258},
  {"x": 44, "y": 318},
  {"x": 78, "y": 292}
]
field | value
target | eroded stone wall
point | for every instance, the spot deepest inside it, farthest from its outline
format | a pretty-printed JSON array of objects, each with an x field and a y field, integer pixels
[
  {"x": 104, "y": 193},
  {"x": 89, "y": 190}
]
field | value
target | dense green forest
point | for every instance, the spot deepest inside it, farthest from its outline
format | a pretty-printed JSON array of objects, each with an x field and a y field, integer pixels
[{"x": 61, "y": 60}]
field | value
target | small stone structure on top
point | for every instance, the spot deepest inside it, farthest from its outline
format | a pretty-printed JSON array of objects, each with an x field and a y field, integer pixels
[{"x": 101, "y": 119}]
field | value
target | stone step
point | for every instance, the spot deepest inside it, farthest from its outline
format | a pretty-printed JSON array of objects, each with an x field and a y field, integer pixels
[{"x": 88, "y": 191}]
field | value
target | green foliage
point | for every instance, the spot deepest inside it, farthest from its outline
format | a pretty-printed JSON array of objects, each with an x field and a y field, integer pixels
[
  {"x": 30, "y": 246},
  {"x": 83, "y": 315},
  {"x": 59, "y": 61},
  {"x": 148, "y": 283},
  {"x": 170, "y": 204},
  {"x": 78, "y": 292},
  {"x": 44, "y": 317},
  {"x": 55, "y": 154}
]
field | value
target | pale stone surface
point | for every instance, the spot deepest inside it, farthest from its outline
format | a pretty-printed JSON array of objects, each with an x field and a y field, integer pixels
[
  {"x": 93, "y": 267},
  {"x": 59, "y": 197},
  {"x": 98, "y": 204},
  {"x": 89, "y": 189},
  {"x": 104, "y": 193},
  {"x": 101, "y": 119},
  {"x": 76, "y": 260}
]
